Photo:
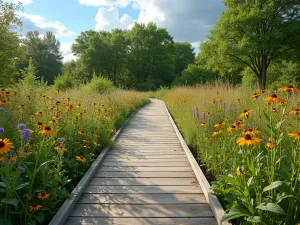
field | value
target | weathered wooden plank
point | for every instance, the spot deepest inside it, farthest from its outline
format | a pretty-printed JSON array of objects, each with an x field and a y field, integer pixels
[
  {"x": 143, "y": 181},
  {"x": 143, "y": 169},
  {"x": 142, "y": 189},
  {"x": 147, "y": 160},
  {"x": 145, "y": 152},
  {"x": 111, "y": 157},
  {"x": 147, "y": 163},
  {"x": 140, "y": 221},
  {"x": 143, "y": 199},
  {"x": 153, "y": 211},
  {"x": 122, "y": 174}
]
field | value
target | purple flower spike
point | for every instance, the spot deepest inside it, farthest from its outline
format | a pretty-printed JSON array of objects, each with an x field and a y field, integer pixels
[
  {"x": 25, "y": 134},
  {"x": 22, "y": 169},
  {"x": 21, "y": 126},
  {"x": 1, "y": 131}
]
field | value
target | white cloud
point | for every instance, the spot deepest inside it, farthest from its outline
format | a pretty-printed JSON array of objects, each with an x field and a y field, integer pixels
[
  {"x": 106, "y": 3},
  {"x": 24, "y": 2},
  {"x": 65, "y": 47},
  {"x": 33, "y": 22},
  {"x": 108, "y": 18}
]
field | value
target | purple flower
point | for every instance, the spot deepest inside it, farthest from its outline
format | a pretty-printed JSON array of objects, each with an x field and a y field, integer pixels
[
  {"x": 22, "y": 169},
  {"x": 21, "y": 126},
  {"x": 203, "y": 116},
  {"x": 25, "y": 134},
  {"x": 1, "y": 131}
]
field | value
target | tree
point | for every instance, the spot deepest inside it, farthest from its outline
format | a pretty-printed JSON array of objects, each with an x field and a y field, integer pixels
[
  {"x": 10, "y": 51},
  {"x": 151, "y": 55},
  {"x": 184, "y": 55},
  {"x": 45, "y": 54},
  {"x": 254, "y": 33}
]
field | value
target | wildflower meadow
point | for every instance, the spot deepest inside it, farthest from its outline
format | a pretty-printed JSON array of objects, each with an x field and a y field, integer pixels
[
  {"x": 48, "y": 139},
  {"x": 249, "y": 141}
]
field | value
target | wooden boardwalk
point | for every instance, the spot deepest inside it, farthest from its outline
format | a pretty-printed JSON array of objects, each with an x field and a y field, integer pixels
[{"x": 145, "y": 178}]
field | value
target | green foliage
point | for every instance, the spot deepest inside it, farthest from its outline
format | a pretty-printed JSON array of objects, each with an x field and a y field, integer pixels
[
  {"x": 99, "y": 85},
  {"x": 29, "y": 75},
  {"x": 194, "y": 75},
  {"x": 248, "y": 78},
  {"x": 253, "y": 34},
  {"x": 10, "y": 51},
  {"x": 64, "y": 82},
  {"x": 184, "y": 55},
  {"x": 45, "y": 53}
]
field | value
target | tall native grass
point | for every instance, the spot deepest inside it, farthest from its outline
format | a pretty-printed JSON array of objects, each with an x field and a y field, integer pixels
[
  {"x": 250, "y": 141},
  {"x": 48, "y": 139}
]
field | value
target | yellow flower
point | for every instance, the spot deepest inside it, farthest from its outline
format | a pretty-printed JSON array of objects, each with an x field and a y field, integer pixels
[
  {"x": 248, "y": 140},
  {"x": 240, "y": 171},
  {"x": 261, "y": 90},
  {"x": 274, "y": 98},
  {"x": 231, "y": 128},
  {"x": 39, "y": 114},
  {"x": 295, "y": 135},
  {"x": 34, "y": 207},
  {"x": 97, "y": 144},
  {"x": 5, "y": 145},
  {"x": 251, "y": 131},
  {"x": 81, "y": 159},
  {"x": 43, "y": 195},
  {"x": 219, "y": 124},
  {"x": 289, "y": 88},
  {"x": 217, "y": 132},
  {"x": 271, "y": 144},
  {"x": 203, "y": 124},
  {"x": 47, "y": 131},
  {"x": 255, "y": 95},
  {"x": 60, "y": 149},
  {"x": 295, "y": 111},
  {"x": 3, "y": 102},
  {"x": 246, "y": 113}
]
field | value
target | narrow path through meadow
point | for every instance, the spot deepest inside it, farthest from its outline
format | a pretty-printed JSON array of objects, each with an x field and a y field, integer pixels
[{"x": 145, "y": 178}]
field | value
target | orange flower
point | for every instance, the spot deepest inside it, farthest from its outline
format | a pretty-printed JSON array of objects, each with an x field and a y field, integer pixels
[
  {"x": 21, "y": 106},
  {"x": 248, "y": 140},
  {"x": 97, "y": 144},
  {"x": 81, "y": 159},
  {"x": 43, "y": 195},
  {"x": 3, "y": 102},
  {"x": 39, "y": 114},
  {"x": 231, "y": 128},
  {"x": 246, "y": 113},
  {"x": 34, "y": 207},
  {"x": 271, "y": 144},
  {"x": 295, "y": 135},
  {"x": 217, "y": 132},
  {"x": 274, "y": 98},
  {"x": 255, "y": 95},
  {"x": 81, "y": 132},
  {"x": 203, "y": 124},
  {"x": 219, "y": 124},
  {"x": 60, "y": 149},
  {"x": 261, "y": 90},
  {"x": 295, "y": 111},
  {"x": 47, "y": 131},
  {"x": 251, "y": 131},
  {"x": 240, "y": 171},
  {"x": 289, "y": 88},
  {"x": 5, "y": 145}
]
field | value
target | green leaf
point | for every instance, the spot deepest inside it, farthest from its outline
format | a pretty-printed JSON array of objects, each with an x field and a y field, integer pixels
[
  {"x": 254, "y": 219},
  {"x": 40, "y": 217},
  {"x": 21, "y": 186},
  {"x": 5, "y": 222},
  {"x": 232, "y": 180},
  {"x": 2, "y": 184},
  {"x": 235, "y": 213},
  {"x": 273, "y": 186},
  {"x": 271, "y": 207},
  {"x": 10, "y": 201}
]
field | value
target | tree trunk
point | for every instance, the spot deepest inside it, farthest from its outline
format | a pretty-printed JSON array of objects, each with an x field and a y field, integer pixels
[
  {"x": 262, "y": 78},
  {"x": 115, "y": 76}
]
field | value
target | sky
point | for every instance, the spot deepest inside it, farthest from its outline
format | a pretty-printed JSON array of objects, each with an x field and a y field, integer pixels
[{"x": 185, "y": 20}]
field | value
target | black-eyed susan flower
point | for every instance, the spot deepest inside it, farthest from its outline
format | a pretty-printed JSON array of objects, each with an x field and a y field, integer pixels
[
  {"x": 5, "y": 145},
  {"x": 60, "y": 149},
  {"x": 238, "y": 100},
  {"x": 203, "y": 124},
  {"x": 255, "y": 95},
  {"x": 220, "y": 124},
  {"x": 246, "y": 113},
  {"x": 271, "y": 144},
  {"x": 238, "y": 124},
  {"x": 289, "y": 88},
  {"x": 231, "y": 128},
  {"x": 217, "y": 132},
  {"x": 21, "y": 106},
  {"x": 47, "y": 131},
  {"x": 274, "y": 98},
  {"x": 261, "y": 90},
  {"x": 97, "y": 144},
  {"x": 248, "y": 140},
  {"x": 251, "y": 131},
  {"x": 34, "y": 207},
  {"x": 295, "y": 111},
  {"x": 4, "y": 102},
  {"x": 81, "y": 132},
  {"x": 240, "y": 171},
  {"x": 39, "y": 114},
  {"x": 43, "y": 195},
  {"x": 81, "y": 159},
  {"x": 295, "y": 135},
  {"x": 274, "y": 110}
]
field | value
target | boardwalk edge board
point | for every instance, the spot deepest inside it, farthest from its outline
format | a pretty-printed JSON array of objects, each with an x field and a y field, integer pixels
[
  {"x": 64, "y": 211},
  {"x": 209, "y": 194}
]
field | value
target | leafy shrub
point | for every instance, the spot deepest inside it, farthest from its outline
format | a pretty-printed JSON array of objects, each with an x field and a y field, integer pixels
[
  {"x": 65, "y": 81},
  {"x": 150, "y": 85},
  {"x": 99, "y": 85},
  {"x": 193, "y": 75}
]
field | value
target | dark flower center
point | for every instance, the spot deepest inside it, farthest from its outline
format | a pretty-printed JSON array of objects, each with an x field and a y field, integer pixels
[
  {"x": 220, "y": 123},
  {"x": 233, "y": 126},
  {"x": 2, "y": 144},
  {"x": 245, "y": 111},
  {"x": 40, "y": 123},
  {"x": 290, "y": 86},
  {"x": 43, "y": 194},
  {"x": 297, "y": 134},
  {"x": 250, "y": 129},
  {"x": 247, "y": 137},
  {"x": 47, "y": 128},
  {"x": 274, "y": 96}
]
